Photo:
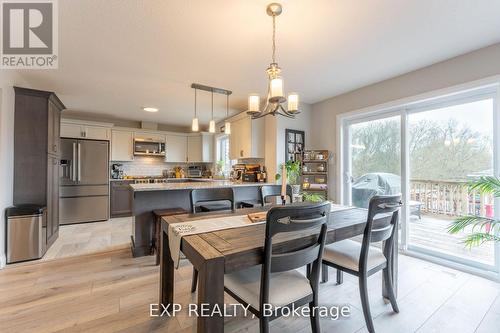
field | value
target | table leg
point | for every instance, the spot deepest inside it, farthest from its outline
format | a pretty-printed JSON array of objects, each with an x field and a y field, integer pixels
[
  {"x": 166, "y": 272},
  {"x": 211, "y": 295},
  {"x": 393, "y": 269}
]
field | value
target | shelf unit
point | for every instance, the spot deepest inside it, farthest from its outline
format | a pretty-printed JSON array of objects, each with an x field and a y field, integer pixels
[{"x": 315, "y": 172}]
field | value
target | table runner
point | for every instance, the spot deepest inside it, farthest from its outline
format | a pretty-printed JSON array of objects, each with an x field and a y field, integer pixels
[{"x": 177, "y": 230}]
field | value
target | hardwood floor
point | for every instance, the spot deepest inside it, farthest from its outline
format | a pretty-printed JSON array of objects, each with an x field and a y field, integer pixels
[{"x": 111, "y": 292}]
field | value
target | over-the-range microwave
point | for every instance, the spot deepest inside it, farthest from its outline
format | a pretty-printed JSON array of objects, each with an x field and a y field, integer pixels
[{"x": 146, "y": 147}]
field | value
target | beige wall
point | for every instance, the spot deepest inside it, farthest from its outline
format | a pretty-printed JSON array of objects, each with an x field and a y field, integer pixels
[{"x": 472, "y": 66}]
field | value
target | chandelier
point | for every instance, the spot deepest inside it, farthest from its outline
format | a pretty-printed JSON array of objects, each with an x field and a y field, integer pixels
[{"x": 275, "y": 92}]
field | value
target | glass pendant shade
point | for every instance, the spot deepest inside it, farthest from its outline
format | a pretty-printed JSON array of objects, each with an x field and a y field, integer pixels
[
  {"x": 253, "y": 103},
  {"x": 293, "y": 102},
  {"x": 194, "y": 125},
  {"x": 277, "y": 87},
  {"x": 227, "y": 127},
  {"x": 211, "y": 126}
]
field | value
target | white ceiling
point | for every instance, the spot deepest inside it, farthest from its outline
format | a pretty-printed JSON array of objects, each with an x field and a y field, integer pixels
[{"x": 119, "y": 55}]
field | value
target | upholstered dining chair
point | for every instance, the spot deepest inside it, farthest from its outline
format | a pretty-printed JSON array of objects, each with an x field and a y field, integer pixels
[
  {"x": 364, "y": 260},
  {"x": 277, "y": 282},
  {"x": 212, "y": 199},
  {"x": 269, "y": 191}
]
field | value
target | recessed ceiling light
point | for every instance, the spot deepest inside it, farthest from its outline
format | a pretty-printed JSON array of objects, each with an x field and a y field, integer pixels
[{"x": 150, "y": 109}]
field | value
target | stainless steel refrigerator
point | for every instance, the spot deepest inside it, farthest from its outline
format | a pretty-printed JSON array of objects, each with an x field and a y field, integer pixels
[{"x": 84, "y": 189}]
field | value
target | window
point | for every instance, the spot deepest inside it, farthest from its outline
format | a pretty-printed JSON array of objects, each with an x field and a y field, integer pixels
[{"x": 223, "y": 166}]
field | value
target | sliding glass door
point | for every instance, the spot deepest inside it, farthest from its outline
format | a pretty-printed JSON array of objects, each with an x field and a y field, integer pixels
[
  {"x": 374, "y": 159},
  {"x": 429, "y": 152},
  {"x": 450, "y": 145}
]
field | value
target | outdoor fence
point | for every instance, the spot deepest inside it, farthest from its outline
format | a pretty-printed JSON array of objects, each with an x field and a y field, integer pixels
[{"x": 451, "y": 198}]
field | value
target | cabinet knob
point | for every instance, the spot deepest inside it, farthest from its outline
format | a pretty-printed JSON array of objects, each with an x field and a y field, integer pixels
[{"x": 54, "y": 148}]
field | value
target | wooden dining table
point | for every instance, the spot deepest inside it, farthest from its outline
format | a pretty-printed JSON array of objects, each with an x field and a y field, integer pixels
[{"x": 220, "y": 252}]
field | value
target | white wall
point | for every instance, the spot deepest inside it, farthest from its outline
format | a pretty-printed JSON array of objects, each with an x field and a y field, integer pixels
[
  {"x": 8, "y": 79},
  {"x": 468, "y": 67}
]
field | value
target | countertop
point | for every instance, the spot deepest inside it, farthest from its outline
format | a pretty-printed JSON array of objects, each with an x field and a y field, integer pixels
[
  {"x": 144, "y": 178},
  {"x": 190, "y": 185}
]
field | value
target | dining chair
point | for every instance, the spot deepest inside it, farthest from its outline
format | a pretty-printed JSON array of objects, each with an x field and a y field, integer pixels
[
  {"x": 267, "y": 191},
  {"x": 207, "y": 195},
  {"x": 277, "y": 282},
  {"x": 212, "y": 199},
  {"x": 364, "y": 260}
]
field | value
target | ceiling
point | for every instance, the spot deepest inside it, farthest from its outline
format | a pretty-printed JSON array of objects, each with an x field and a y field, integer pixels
[{"x": 116, "y": 56}]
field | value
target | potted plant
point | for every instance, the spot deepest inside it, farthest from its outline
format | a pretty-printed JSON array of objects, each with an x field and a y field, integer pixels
[
  {"x": 292, "y": 174},
  {"x": 482, "y": 229},
  {"x": 312, "y": 197}
]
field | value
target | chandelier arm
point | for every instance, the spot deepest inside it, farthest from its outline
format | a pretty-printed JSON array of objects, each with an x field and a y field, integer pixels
[{"x": 285, "y": 113}]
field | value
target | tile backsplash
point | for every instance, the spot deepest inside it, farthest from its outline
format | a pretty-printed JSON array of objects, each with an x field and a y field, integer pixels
[{"x": 150, "y": 166}]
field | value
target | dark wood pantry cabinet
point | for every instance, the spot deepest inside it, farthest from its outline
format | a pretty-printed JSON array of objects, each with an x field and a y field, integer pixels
[{"x": 37, "y": 121}]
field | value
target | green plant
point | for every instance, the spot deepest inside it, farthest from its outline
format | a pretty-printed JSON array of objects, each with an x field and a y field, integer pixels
[
  {"x": 312, "y": 197},
  {"x": 292, "y": 171},
  {"x": 483, "y": 229}
]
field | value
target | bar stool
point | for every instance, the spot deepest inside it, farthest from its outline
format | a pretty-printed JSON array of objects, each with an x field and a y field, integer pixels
[
  {"x": 158, "y": 213},
  {"x": 211, "y": 199},
  {"x": 268, "y": 191}
]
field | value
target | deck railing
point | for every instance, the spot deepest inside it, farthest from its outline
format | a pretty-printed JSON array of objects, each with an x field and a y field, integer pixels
[{"x": 451, "y": 198}]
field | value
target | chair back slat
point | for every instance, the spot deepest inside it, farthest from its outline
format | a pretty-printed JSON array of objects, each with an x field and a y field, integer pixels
[
  {"x": 204, "y": 195},
  {"x": 289, "y": 219},
  {"x": 268, "y": 191},
  {"x": 292, "y": 260},
  {"x": 386, "y": 209}
]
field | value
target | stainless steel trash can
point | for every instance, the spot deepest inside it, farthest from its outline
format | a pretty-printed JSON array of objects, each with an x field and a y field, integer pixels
[{"x": 26, "y": 232}]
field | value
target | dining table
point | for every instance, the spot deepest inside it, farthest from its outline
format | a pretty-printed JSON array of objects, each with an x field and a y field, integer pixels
[{"x": 219, "y": 252}]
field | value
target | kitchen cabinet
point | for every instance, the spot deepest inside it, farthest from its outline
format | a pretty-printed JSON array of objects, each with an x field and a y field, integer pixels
[
  {"x": 121, "y": 198},
  {"x": 122, "y": 145},
  {"x": 176, "y": 148},
  {"x": 76, "y": 130},
  {"x": 53, "y": 126},
  {"x": 52, "y": 197},
  {"x": 247, "y": 138},
  {"x": 154, "y": 137},
  {"x": 37, "y": 153},
  {"x": 200, "y": 148}
]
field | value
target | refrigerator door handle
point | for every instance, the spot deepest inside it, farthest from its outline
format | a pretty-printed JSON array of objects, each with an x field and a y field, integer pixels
[
  {"x": 73, "y": 164},
  {"x": 79, "y": 178}
]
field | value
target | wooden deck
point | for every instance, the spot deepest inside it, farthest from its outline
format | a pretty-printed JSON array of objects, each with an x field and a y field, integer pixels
[
  {"x": 430, "y": 232},
  {"x": 111, "y": 292}
]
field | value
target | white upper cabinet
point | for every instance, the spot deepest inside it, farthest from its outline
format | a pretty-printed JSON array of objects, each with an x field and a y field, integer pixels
[
  {"x": 85, "y": 130},
  {"x": 194, "y": 152},
  {"x": 122, "y": 145},
  {"x": 200, "y": 148},
  {"x": 176, "y": 148},
  {"x": 247, "y": 138}
]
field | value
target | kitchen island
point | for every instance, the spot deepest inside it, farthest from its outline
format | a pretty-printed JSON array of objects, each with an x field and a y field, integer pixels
[{"x": 174, "y": 194}]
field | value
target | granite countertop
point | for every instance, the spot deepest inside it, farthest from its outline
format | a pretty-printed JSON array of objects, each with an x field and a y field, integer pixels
[{"x": 190, "y": 185}]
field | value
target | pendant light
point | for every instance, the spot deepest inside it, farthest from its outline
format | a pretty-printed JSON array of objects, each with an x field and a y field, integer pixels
[
  {"x": 275, "y": 91},
  {"x": 227, "y": 124},
  {"x": 211, "y": 125},
  {"x": 194, "y": 123}
]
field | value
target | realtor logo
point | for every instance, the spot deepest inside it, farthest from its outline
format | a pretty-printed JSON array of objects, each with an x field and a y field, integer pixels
[{"x": 29, "y": 34}]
